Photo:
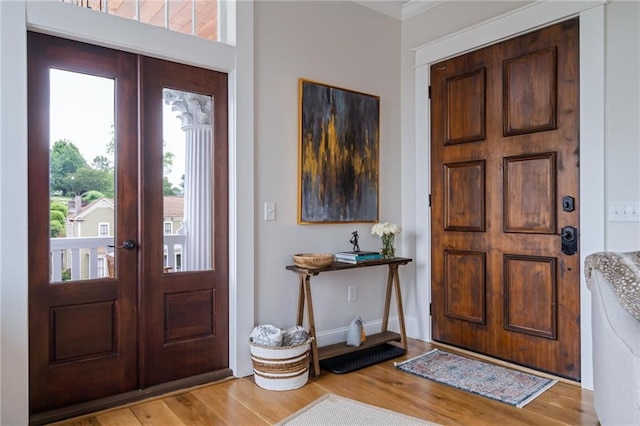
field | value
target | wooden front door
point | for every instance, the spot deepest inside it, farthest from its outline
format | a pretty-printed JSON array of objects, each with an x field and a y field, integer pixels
[
  {"x": 123, "y": 295},
  {"x": 505, "y": 158}
]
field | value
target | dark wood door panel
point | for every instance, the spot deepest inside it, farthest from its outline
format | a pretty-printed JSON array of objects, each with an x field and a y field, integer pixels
[
  {"x": 185, "y": 314},
  {"x": 504, "y": 135},
  {"x": 82, "y": 334},
  {"x": 529, "y": 200},
  {"x": 529, "y": 91},
  {"x": 464, "y": 189},
  {"x": 465, "y": 285},
  {"x": 530, "y": 304},
  {"x": 95, "y": 339},
  {"x": 465, "y": 107}
]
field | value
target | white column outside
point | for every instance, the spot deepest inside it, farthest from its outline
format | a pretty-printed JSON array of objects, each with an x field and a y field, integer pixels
[{"x": 195, "y": 113}]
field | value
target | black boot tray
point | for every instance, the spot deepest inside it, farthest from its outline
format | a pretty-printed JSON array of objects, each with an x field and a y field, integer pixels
[{"x": 356, "y": 360}]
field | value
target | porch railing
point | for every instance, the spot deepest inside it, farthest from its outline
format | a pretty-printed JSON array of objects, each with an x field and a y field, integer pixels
[{"x": 70, "y": 251}]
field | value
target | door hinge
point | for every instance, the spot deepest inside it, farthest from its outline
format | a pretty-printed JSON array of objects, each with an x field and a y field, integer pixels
[
  {"x": 429, "y": 91},
  {"x": 429, "y": 200},
  {"x": 430, "y": 312}
]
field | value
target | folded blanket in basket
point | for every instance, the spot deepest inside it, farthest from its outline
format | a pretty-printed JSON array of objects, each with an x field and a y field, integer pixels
[{"x": 268, "y": 335}]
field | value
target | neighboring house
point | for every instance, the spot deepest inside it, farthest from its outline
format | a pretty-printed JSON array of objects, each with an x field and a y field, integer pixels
[
  {"x": 96, "y": 219},
  {"x": 172, "y": 225},
  {"x": 92, "y": 220}
]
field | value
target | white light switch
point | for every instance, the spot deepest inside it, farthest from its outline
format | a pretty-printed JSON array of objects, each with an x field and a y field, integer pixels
[
  {"x": 624, "y": 212},
  {"x": 270, "y": 210}
]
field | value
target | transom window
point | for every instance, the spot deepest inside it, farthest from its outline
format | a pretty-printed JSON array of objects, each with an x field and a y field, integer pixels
[{"x": 199, "y": 18}]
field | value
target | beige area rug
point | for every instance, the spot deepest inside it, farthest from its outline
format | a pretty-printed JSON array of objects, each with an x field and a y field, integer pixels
[{"x": 331, "y": 410}]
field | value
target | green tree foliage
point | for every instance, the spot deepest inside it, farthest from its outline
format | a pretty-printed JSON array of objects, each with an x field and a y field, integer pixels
[
  {"x": 168, "y": 188},
  {"x": 57, "y": 215},
  {"x": 56, "y": 228},
  {"x": 91, "y": 196},
  {"x": 111, "y": 145},
  {"x": 102, "y": 163},
  {"x": 71, "y": 174},
  {"x": 57, "y": 219},
  {"x": 57, "y": 205},
  {"x": 167, "y": 163},
  {"x": 88, "y": 179},
  {"x": 65, "y": 160}
]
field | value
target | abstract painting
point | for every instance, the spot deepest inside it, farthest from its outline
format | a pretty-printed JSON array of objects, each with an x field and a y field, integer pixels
[{"x": 338, "y": 154}]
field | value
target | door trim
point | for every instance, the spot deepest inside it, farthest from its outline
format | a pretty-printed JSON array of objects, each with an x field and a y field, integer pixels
[
  {"x": 18, "y": 16},
  {"x": 591, "y": 140}
]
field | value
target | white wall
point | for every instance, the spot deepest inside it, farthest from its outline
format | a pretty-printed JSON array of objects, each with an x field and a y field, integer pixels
[
  {"x": 622, "y": 118},
  {"x": 13, "y": 218},
  {"x": 341, "y": 44}
]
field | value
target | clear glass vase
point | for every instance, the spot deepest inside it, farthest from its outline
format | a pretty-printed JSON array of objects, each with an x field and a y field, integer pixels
[{"x": 388, "y": 251}]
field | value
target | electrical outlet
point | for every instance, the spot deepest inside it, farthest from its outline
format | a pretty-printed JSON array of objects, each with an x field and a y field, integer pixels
[
  {"x": 624, "y": 212},
  {"x": 270, "y": 210},
  {"x": 352, "y": 294}
]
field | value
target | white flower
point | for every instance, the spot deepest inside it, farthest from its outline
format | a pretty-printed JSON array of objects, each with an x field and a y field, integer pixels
[
  {"x": 395, "y": 229},
  {"x": 385, "y": 228}
]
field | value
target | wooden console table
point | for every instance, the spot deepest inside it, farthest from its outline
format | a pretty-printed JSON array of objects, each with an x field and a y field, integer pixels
[{"x": 385, "y": 336}]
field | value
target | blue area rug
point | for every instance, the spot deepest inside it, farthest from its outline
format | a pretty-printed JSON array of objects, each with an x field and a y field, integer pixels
[{"x": 492, "y": 381}]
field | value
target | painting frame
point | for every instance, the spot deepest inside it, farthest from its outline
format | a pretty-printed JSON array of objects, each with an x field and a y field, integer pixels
[{"x": 338, "y": 154}]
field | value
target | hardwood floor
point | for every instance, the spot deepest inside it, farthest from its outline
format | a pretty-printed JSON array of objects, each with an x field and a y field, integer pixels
[{"x": 242, "y": 402}]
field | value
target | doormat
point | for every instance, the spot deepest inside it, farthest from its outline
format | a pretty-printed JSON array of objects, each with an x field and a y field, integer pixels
[
  {"x": 492, "y": 381},
  {"x": 329, "y": 410},
  {"x": 356, "y": 360}
]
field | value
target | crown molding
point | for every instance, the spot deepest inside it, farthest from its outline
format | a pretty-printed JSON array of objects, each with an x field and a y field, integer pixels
[
  {"x": 414, "y": 7},
  {"x": 400, "y": 9},
  {"x": 389, "y": 8}
]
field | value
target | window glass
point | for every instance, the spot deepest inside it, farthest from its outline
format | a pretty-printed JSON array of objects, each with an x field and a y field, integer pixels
[
  {"x": 188, "y": 179},
  {"x": 81, "y": 174},
  {"x": 197, "y": 17}
]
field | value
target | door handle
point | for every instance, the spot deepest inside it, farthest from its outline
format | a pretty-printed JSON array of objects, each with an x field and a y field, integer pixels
[
  {"x": 569, "y": 236},
  {"x": 127, "y": 245}
]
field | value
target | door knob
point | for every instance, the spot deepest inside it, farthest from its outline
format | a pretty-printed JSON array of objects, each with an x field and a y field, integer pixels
[
  {"x": 127, "y": 245},
  {"x": 569, "y": 236}
]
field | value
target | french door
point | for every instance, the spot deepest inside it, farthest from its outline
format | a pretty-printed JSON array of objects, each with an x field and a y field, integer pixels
[{"x": 128, "y": 228}]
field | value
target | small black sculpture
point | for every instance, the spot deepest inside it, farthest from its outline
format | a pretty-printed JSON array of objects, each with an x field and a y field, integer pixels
[{"x": 354, "y": 241}]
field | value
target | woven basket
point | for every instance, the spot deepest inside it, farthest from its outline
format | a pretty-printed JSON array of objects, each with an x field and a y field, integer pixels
[{"x": 280, "y": 367}]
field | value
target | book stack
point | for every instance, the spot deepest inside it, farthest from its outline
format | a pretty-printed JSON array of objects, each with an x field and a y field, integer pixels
[{"x": 357, "y": 256}]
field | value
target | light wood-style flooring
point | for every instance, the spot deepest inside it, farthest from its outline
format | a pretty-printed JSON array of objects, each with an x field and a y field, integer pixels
[{"x": 241, "y": 402}]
